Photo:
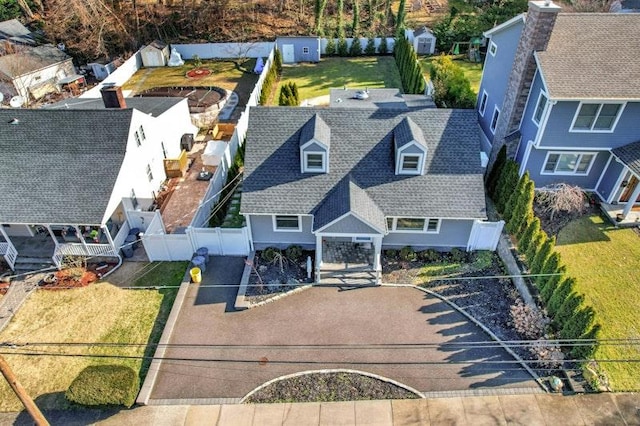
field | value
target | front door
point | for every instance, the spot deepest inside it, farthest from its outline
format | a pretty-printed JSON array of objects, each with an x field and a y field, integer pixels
[
  {"x": 628, "y": 190},
  {"x": 287, "y": 54}
]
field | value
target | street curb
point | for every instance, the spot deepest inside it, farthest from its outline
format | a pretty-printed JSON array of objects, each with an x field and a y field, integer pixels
[
  {"x": 152, "y": 374},
  {"x": 479, "y": 324}
]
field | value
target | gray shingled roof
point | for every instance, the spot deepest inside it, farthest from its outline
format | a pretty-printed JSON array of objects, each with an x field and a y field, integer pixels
[
  {"x": 151, "y": 105},
  {"x": 316, "y": 129},
  {"x": 593, "y": 56},
  {"x": 60, "y": 166},
  {"x": 630, "y": 155},
  {"x": 31, "y": 59},
  {"x": 347, "y": 197},
  {"x": 362, "y": 146},
  {"x": 378, "y": 98},
  {"x": 406, "y": 132}
]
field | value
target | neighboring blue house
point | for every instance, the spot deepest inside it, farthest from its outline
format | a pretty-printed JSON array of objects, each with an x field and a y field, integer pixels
[
  {"x": 357, "y": 180},
  {"x": 562, "y": 91},
  {"x": 299, "y": 49}
]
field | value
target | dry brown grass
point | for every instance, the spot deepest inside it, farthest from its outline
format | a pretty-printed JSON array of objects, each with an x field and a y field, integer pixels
[{"x": 98, "y": 313}]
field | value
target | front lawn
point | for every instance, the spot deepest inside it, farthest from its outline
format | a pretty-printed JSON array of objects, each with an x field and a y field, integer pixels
[
  {"x": 100, "y": 313},
  {"x": 606, "y": 261},
  {"x": 314, "y": 80},
  {"x": 472, "y": 70}
]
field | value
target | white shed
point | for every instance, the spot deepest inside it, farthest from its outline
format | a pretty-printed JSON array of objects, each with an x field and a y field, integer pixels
[
  {"x": 424, "y": 42},
  {"x": 155, "y": 54}
]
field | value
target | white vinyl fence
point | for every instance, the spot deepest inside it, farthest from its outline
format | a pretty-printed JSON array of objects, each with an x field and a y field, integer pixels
[
  {"x": 485, "y": 235},
  {"x": 224, "y": 50},
  {"x": 120, "y": 76}
]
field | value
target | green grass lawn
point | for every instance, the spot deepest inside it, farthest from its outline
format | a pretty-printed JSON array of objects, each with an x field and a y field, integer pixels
[
  {"x": 606, "y": 261},
  {"x": 473, "y": 71},
  {"x": 314, "y": 80},
  {"x": 99, "y": 313}
]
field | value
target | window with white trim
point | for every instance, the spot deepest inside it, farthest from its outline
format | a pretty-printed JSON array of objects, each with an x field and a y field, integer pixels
[
  {"x": 287, "y": 223},
  {"x": 149, "y": 174},
  {"x": 568, "y": 163},
  {"x": 494, "y": 120},
  {"x": 592, "y": 117},
  {"x": 137, "y": 136},
  {"x": 483, "y": 103},
  {"x": 314, "y": 162},
  {"x": 410, "y": 163},
  {"x": 305, "y": 50},
  {"x": 413, "y": 224},
  {"x": 540, "y": 106},
  {"x": 493, "y": 48},
  {"x": 142, "y": 135},
  {"x": 134, "y": 199}
]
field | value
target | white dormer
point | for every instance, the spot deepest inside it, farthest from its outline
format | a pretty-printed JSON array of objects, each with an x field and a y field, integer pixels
[
  {"x": 314, "y": 146},
  {"x": 410, "y": 148}
]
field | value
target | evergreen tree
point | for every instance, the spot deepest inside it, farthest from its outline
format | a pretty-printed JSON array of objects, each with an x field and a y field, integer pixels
[
  {"x": 355, "y": 26},
  {"x": 340, "y": 28},
  {"x": 536, "y": 245},
  {"x": 343, "y": 49},
  {"x": 494, "y": 174},
  {"x": 532, "y": 230},
  {"x": 560, "y": 295},
  {"x": 523, "y": 208},
  {"x": 514, "y": 198},
  {"x": 277, "y": 61},
  {"x": 543, "y": 255},
  {"x": 330, "y": 48},
  {"x": 400, "y": 19},
  {"x": 508, "y": 179},
  {"x": 551, "y": 284},
  {"x": 568, "y": 309},
  {"x": 370, "y": 48},
  {"x": 293, "y": 87},
  {"x": 356, "y": 47},
  {"x": 550, "y": 267},
  {"x": 285, "y": 95},
  {"x": 319, "y": 12},
  {"x": 383, "y": 48},
  {"x": 525, "y": 223},
  {"x": 581, "y": 325}
]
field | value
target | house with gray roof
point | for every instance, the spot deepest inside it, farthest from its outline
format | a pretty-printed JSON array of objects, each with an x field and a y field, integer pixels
[
  {"x": 562, "y": 92},
  {"x": 76, "y": 174},
  {"x": 353, "y": 181}
]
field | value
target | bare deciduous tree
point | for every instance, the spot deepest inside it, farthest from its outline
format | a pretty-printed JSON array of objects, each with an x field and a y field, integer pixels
[{"x": 561, "y": 197}]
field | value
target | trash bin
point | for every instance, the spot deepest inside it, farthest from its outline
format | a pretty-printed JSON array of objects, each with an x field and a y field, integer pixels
[
  {"x": 134, "y": 231},
  {"x": 127, "y": 251},
  {"x": 199, "y": 262},
  {"x": 131, "y": 241},
  {"x": 204, "y": 252},
  {"x": 196, "y": 275}
]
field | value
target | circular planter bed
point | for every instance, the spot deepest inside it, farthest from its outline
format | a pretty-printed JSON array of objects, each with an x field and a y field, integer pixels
[{"x": 198, "y": 73}]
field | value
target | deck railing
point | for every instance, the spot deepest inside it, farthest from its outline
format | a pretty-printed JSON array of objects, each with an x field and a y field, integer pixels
[
  {"x": 9, "y": 252},
  {"x": 75, "y": 249}
]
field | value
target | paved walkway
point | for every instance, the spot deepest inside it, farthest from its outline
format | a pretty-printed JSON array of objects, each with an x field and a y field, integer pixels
[
  {"x": 527, "y": 410},
  {"x": 17, "y": 294}
]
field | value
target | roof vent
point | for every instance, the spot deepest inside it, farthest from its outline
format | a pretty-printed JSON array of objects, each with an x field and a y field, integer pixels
[
  {"x": 14, "y": 121},
  {"x": 361, "y": 94}
]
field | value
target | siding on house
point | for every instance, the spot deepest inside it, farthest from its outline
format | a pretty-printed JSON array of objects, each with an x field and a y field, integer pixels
[
  {"x": 609, "y": 179},
  {"x": 453, "y": 233},
  {"x": 537, "y": 158},
  {"x": 264, "y": 236},
  {"x": 556, "y": 133},
  {"x": 495, "y": 74}
]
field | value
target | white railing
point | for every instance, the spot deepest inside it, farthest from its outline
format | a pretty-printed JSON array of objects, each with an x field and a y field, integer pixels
[
  {"x": 77, "y": 249},
  {"x": 9, "y": 252},
  {"x": 121, "y": 236}
]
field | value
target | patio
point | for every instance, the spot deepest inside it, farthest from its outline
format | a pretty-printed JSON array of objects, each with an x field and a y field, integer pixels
[{"x": 613, "y": 210}]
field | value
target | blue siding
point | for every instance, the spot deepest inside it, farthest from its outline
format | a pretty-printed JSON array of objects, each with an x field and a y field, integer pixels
[
  {"x": 495, "y": 74},
  {"x": 536, "y": 161},
  {"x": 264, "y": 236},
  {"x": 453, "y": 233},
  {"x": 557, "y": 132},
  {"x": 528, "y": 128},
  {"x": 610, "y": 178},
  {"x": 313, "y": 43}
]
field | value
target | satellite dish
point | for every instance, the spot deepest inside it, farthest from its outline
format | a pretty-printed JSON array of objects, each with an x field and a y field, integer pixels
[
  {"x": 1, "y": 97},
  {"x": 16, "y": 101}
]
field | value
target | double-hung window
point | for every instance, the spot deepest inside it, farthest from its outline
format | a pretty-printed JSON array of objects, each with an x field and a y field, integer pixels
[
  {"x": 596, "y": 117},
  {"x": 568, "y": 163},
  {"x": 483, "y": 103},
  {"x": 412, "y": 224},
  {"x": 494, "y": 119},
  {"x": 540, "y": 106},
  {"x": 149, "y": 173}
]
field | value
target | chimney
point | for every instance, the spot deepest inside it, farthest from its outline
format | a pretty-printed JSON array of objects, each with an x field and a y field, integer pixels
[
  {"x": 112, "y": 97},
  {"x": 535, "y": 35}
]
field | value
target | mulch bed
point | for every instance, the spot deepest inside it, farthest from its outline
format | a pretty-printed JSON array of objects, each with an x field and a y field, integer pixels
[
  {"x": 560, "y": 219},
  {"x": 198, "y": 73},
  {"x": 321, "y": 387},
  {"x": 76, "y": 277}
]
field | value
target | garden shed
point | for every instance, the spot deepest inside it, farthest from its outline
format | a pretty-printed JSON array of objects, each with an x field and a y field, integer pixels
[
  {"x": 155, "y": 54},
  {"x": 299, "y": 49},
  {"x": 424, "y": 42}
]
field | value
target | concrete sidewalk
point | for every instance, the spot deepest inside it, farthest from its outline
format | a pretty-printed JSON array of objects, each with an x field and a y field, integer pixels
[{"x": 529, "y": 410}]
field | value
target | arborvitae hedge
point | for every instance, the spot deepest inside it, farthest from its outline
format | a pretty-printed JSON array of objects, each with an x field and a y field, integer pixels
[
  {"x": 330, "y": 48},
  {"x": 536, "y": 244},
  {"x": 356, "y": 47},
  {"x": 560, "y": 294},
  {"x": 496, "y": 170},
  {"x": 504, "y": 189},
  {"x": 408, "y": 66},
  {"x": 370, "y": 48},
  {"x": 551, "y": 284},
  {"x": 550, "y": 267},
  {"x": 532, "y": 230},
  {"x": 515, "y": 197},
  {"x": 383, "y": 48},
  {"x": 542, "y": 255},
  {"x": 343, "y": 47}
]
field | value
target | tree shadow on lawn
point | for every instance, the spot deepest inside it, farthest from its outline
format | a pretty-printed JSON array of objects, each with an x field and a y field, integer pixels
[
  {"x": 586, "y": 229},
  {"x": 68, "y": 414}
]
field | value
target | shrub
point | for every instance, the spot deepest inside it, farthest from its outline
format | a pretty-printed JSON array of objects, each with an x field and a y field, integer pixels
[
  {"x": 550, "y": 267},
  {"x": 536, "y": 245},
  {"x": 543, "y": 255},
  {"x": 391, "y": 254},
  {"x": 482, "y": 259},
  {"x": 343, "y": 48},
  {"x": 370, "y": 48},
  {"x": 383, "y": 48},
  {"x": 293, "y": 253},
  {"x": 507, "y": 180},
  {"x": 452, "y": 88},
  {"x": 550, "y": 285},
  {"x": 560, "y": 295},
  {"x": 277, "y": 61},
  {"x": 458, "y": 255},
  {"x": 104, "y": 385},
  {"x": 568, "y": 308},
  {"x": 430, "y": 255},
  {"x": 269, "y": 254},
  {"x": 356, "y": 47},
  {"x": 496, "y": 170},
  {"x": 532, "y": 230},
  {"x": 330, "y": 48},
  {"x": 522, "y": 210},
  {"x": 408, "y": 254}
]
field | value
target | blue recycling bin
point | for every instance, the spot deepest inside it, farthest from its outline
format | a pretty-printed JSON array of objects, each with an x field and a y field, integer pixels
[
  {"x": 199, "y": 262},
  {"x": 204, "y": 252},
  {"x": 131, "y": 241}
]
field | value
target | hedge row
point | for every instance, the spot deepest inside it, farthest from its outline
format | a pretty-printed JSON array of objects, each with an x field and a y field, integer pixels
[
  {"x": 270, "y": 79},
  {"x": 571, "y": 317},
  {"x": 408, "y": 66},
  {"x": 100, "y": 385}
]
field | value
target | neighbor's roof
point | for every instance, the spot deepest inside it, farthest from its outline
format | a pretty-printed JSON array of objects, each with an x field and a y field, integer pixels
[
  {"x": 378, "y": 98},
  {"x": 60, "y": 166},
  {"x": 422, "y": 30},
  {"x": 13, "y": 30},
  {"x": 593, "y": 56},
  {"x": 31, "y": 59},
  {"x": 630, "y": 155},
  {"x": 362, "y": 149},
  {"x": 148, "y": 105}
]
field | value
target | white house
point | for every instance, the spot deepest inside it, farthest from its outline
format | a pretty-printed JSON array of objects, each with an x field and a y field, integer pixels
[
  {"x": 84, "y": 165},
  {"x": 34, "y": 71}
]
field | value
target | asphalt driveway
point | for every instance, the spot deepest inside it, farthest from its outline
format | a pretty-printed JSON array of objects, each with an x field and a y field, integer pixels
[{"x": 326, "y": 316}]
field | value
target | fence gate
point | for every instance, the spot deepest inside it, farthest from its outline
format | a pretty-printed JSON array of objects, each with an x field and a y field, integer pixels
[{"x": 485, "y": 235}]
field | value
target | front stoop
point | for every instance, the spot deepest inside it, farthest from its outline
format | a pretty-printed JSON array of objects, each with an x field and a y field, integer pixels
[{"x": 361, "y": 276}]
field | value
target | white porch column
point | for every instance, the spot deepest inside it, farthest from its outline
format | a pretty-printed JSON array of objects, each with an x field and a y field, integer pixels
[
  {"x": 318, "y": 256},
  {"x": 631, "y": 202},
  {"x": 377, "y": 251},
  {"x": 109, "y": 239}
]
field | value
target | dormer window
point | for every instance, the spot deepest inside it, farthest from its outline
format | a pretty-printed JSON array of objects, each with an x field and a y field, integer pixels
[
  {"x": 314, "y": 142},
  {"x": 314, "y": 162},
  {"x": 410, "y": 148}
]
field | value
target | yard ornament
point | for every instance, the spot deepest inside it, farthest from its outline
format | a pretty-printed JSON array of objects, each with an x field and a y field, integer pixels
[
  {"x": 175, "y": 60},
  {"x": 259, "y": 66}
]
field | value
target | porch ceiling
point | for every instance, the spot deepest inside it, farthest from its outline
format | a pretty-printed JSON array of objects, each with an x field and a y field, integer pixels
[{"x": 630, "y": 156}]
